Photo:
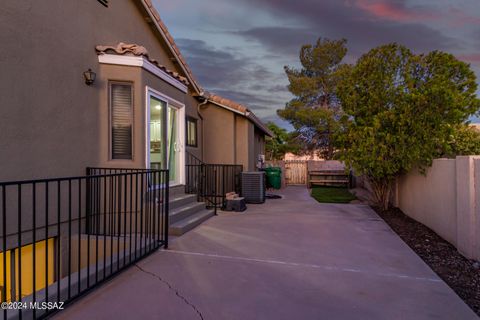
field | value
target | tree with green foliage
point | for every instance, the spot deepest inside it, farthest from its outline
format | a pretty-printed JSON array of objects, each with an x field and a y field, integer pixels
[
  {"x": 315, "y": 111},
  {"x": 401, "y": 110},
  {"x": 465, "y": 141},
  {"x": 281, "y": 143}
]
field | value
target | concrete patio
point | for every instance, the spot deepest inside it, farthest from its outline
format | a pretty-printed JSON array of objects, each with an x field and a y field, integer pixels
[{"x": 286, "y": 259}]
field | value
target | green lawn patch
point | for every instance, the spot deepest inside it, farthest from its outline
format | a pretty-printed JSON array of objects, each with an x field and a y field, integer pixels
[{"x": 325, "y": 194}]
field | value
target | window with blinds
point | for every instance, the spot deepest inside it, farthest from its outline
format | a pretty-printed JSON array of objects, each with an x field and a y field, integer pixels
[{"x": 121, "y": 111}]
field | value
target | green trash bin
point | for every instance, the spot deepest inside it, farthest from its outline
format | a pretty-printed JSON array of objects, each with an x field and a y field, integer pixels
[{"x": 274, "y": 177}]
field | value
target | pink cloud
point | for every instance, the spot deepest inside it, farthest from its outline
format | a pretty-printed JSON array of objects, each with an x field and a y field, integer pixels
[
  {"x": 389, "y": 11},
  {"x": 473, "y": 58},
  {"x": 460, "y": 18},
  {"x": 384, "y": 9}
]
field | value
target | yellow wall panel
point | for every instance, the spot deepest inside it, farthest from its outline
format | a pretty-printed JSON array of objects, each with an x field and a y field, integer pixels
[{"x": 28, "y": 269}]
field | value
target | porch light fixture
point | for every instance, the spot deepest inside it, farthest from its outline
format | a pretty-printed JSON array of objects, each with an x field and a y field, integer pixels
[{"x": 89, "y": 76}]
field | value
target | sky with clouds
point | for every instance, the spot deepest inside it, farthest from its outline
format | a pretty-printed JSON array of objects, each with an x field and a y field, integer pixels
[{"x": 238, "y": 48}]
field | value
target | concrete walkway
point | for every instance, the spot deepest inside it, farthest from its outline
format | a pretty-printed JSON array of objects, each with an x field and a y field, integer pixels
[{"x": 287, "y": 259}]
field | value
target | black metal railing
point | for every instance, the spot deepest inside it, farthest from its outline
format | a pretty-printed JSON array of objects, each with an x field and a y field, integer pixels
[
  {"x": 211, "y": 182},
  {"x": 192, "y": 174},
  {"x": 62, "y": 237}
]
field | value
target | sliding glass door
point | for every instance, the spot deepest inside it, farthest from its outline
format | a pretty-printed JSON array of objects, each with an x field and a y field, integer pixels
[
  {"x": 158, "y": 156},
  {"x": 173, "y": 144},
  {"x": 164, "y": 143}
]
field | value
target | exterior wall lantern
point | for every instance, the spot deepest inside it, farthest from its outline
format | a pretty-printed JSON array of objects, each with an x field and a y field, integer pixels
[{"x": 89, "y": 76}]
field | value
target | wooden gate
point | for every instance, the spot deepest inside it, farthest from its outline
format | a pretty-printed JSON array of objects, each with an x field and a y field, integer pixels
[{"x": 296, "y": 172}]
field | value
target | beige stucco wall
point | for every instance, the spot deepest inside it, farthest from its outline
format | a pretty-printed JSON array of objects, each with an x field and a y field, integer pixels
[
  {"x": 51, "y": 123},
  {"x": 134, "y": 75},
  {"x": 473, "y": 220},
  {"x": 230, "y": 138},
  {"x": 219, "y": 135},
  {"x": 191, "y": 111},
  {"x": 242, "y": 149},
  {"x": 252, "y": 157},
  {"x": 431, "y": 199},
  {"x": 447, "y": 200},
  {"x": 140, "y": 79},
  {"x": 259, "y": 145}
]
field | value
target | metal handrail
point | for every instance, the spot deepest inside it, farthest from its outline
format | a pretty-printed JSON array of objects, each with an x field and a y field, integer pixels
[
  {"x": 81, "y": 231},
  {"x": 62, "y": 179},
  {"x": 211, "y": 182}
]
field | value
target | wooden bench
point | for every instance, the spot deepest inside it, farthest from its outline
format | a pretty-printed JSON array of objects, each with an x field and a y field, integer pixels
[{"x": 328, "y": 178}]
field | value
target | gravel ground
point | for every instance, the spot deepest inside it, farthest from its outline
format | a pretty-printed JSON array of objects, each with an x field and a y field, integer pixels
[{"x": 460, "y": 273}]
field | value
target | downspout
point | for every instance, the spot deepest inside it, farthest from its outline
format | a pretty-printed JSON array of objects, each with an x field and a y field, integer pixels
[{"x": 201, "y": 118}]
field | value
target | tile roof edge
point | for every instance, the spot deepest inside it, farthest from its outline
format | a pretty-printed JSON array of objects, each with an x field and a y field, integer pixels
[
  {"x": 259, "y": 123},
  {"x": 238, "y": 108},
  {"x": 136, "y": 50}
]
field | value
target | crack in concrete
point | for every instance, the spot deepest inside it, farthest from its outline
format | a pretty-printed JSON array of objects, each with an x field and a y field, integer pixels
[
  {"x": 178, "y": 294},
  {"x": 308, "y": 265}
]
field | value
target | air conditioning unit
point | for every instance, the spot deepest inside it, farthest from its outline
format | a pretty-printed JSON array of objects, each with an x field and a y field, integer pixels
[{"x": 253, "y": 187}]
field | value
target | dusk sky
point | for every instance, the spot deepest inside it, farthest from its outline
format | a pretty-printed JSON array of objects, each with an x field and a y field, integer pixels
[{"x": 238, "y": 48}]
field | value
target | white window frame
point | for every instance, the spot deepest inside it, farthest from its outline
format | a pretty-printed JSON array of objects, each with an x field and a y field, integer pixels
[{"x": 150, "y": 92}]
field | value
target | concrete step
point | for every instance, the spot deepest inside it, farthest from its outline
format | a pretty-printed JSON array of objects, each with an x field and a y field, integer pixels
[
  {"x": 187, "y": 224},
  {"x": 176, "y": 191},
  {"x": 184, "y": 211},
  {"x": 181, "y": 200}
]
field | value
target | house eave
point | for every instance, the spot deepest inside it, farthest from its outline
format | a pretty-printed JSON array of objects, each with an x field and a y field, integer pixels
[
  {"x": 259, "y": 124},
  {"x": 227, "y": 107},
  {"x": 141, "y": 61},
  {"x": 249, "y": 115}
]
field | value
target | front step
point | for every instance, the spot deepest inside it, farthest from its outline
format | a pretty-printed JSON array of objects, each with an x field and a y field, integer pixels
[
  {"x": 186, "y": 213},
  {"x": 187, "y": 224},
  {"x": 182, "y": 200}
]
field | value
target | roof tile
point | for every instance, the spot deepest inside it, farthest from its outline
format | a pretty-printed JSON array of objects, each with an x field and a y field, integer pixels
[
  {"x": 240, "y": 108},
  {"x": 136, "y": 50}
]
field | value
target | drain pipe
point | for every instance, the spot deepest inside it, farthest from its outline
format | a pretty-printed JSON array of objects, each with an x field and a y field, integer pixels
[{"x": 201, "y": 118}]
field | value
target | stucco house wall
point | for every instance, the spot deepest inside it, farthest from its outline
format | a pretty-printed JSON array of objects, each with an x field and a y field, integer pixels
[
  {"x": 50, "y": 120},
  {"x": 192, "y": 112},
  {"x": 231, "y": 138},
  {"x": 219, "y": 135},
  {"x": 258, "y": 145},
  {"x": 242, "y": 146},
  {"x": 52, "y": 124}
]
